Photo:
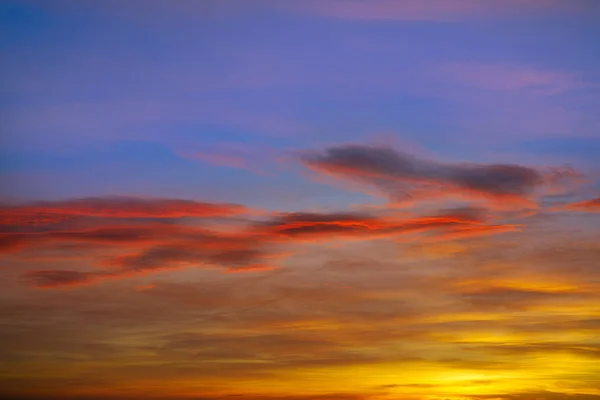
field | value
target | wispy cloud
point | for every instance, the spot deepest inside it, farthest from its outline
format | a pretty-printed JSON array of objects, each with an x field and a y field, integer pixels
[
  {"x": 134, "y": 240},
  {"x": 592, "y": 205},
  {"x": 402, "y": 176},
  {"x": 507, "y": 77},
  {"x": 114, "y": 207},
  {"x": 146, "y": 236}
]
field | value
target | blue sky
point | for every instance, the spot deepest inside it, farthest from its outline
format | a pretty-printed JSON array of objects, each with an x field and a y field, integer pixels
[{"x": 87, "y": 82}]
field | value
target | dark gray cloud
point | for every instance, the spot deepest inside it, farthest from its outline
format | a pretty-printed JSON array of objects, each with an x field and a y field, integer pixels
[{"x": 402, "y": 175}]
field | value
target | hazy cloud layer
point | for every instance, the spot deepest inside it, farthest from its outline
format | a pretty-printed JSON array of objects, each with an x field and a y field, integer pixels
[{"x": 148, "y": 246}]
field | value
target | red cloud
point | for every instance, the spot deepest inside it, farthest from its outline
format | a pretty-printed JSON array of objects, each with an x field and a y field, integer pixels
[
  {"x": 121, "y": 235},
  {"x": 113, "y": 207},
  {"x": 57, "y": 278},
  {"x": 592, "y": 205},
  {"x": 311, "y": 226},
  {"x": 461, "y": 232},
  {"x": 146, "y": 246},
  {"x": 249, "y": 268}
]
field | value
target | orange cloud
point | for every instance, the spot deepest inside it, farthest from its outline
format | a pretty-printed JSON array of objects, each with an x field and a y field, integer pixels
[
  {"x": 461, "y": 232},
  {"x": 309, "y": 226},
  {"x": 113, "y": 207},
  {"x": 115, "y": 235},
  {"x": 138, "y": 246},
  {"x": 249, "y": 268},
  {"x": 58, "y": 278},
  {"x": 592, "y": 205}
]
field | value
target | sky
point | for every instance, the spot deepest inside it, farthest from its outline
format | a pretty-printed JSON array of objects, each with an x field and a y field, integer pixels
[{"x": 300, "y": 199}]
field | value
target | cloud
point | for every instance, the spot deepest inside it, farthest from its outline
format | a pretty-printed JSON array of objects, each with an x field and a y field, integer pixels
[
  {"x": 514, "y": 298},
  {"x": 589, "y": 350},
  {"x": 176, "y": 250},
  {"x": 256, "y": 159},
  {"x": 138, "y": 247},
  {"x": 235, "y": 396},
  {"x": 310, "y": 226},
  {"x": 315, "y": 224},
  {"x": 462, "y": 232},
  {"x": 10, "y": 243},
  {"x": 402, "y": 176},
  {"x": 129, "y": 235},
  {"x": 113, "y": 207},
  {"x": 538, "y": 396},
  {"x": 508, "y": 77},
  {"x": 241, "y": 254},
  {"x": 381, "y": 310},
  {"x": 55, "y": 278},
  {"x": 592, "y": 205}
]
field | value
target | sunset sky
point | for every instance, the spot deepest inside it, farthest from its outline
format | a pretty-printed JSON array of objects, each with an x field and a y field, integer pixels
[{"x": 300, "y": 199}]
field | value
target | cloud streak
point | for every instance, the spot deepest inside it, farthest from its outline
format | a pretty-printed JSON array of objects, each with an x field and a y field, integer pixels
[
  {"x": 402, "y": 176},
  {"x": 592, "y": 205},
  {"x": 148, "y": 245},
  {"x": 501, "y": 77},
  {"x": 113, "y": 207}
]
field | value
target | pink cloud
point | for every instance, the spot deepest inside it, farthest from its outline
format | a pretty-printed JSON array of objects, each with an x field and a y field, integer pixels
[
  {"x": 496, "y": 102},
  {"x": 226, "y": 160},
  {"x": 234, "y": 155},
  {"x": 507, "y": 77}
]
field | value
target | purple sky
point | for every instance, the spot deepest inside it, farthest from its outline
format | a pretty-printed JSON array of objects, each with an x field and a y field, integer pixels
[{"x": 209, "y": 99}]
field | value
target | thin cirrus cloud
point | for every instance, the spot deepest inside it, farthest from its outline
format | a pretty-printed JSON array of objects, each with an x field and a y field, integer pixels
[
  {"x": 257, "y": 248},
  {"x": 401, "y": 176},
  {"x": 592, "y": 205},
  {"x": 115, "y": 207},
  {"x": 139, "y": 247},
  {"x": 234, "y": 155},
  {"x": 309, "y": 226},
  {"x": 509, "y": 77}
]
